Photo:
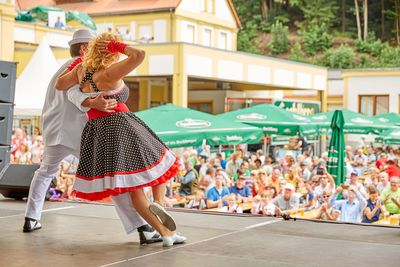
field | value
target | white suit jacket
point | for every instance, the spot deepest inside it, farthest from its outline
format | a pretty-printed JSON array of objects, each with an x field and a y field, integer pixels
[{"x": 62, "y": 121}]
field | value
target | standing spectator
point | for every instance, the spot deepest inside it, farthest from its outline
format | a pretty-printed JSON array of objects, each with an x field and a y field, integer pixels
[
  {"x": 374, "y": 207},
  {"x": 59, "y": 24},
  {"x": 128, "y": 35},
  {"x": 391, "y": 196},
  {"x": 216, "y": 196},
  {"x": 371, "y": 156},
  {"x": 221, "y": 160},
  {"x": 350, "y": 209}
]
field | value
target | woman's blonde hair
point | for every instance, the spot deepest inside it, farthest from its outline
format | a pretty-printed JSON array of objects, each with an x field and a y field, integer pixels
[{"x": 94, "y": 59}]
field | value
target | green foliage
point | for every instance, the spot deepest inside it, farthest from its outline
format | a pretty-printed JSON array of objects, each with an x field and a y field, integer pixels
[
  {"x": 370, "y": 46},
  {"x": 296, "y": 53},
  {"x": 339, "y": 58},
  {"x": 317, "y": 12},
  {"x": 280, "y": 39},
  {"x": 390, "y": 57},
  {"x": 316, "y": 39}
]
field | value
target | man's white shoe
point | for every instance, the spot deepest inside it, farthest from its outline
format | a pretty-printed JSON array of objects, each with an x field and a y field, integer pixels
[
  {"x": 165, "y": 218},
  {"x": 169, "y": 241}
]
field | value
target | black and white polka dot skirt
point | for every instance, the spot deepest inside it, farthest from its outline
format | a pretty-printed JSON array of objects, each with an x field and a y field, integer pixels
[{"x": 120, "y": 153}]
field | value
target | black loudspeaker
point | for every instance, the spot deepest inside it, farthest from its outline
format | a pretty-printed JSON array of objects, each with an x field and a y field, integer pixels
[
  {"x": 4, "y": 156},
  {"x": 8, "y": 75},
  {"x": 6, "y": 121},
  {"x": 15, "y": 180}
]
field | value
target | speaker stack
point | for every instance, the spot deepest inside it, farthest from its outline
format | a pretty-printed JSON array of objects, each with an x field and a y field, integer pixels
[{"x": 8, "y": 72}]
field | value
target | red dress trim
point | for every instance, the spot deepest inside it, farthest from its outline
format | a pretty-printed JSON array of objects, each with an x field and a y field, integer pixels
[
  {"x": 95, "y": 114},
  {"x": 170, "y": 173},
  {"x": 123, "y": 173}
]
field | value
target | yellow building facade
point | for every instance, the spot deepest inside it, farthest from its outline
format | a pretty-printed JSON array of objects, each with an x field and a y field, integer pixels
[{"x": 191, "y": 60}]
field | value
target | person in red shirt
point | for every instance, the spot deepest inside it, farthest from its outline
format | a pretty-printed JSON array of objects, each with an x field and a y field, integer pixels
[
  {"x": 381, "y": 162},
  {"x": 392, "y": 169}
]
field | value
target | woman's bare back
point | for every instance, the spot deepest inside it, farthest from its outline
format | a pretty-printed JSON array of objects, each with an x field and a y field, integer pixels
[{"x": 100, "y": 80}]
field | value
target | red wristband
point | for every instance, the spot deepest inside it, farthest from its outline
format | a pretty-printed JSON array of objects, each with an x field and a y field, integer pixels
[
  {"x": 116, "y": 47},
  {"x": 73, "y": 64}
]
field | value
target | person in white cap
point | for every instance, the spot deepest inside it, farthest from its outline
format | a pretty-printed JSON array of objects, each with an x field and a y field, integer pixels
[
  {"x": 286, "y": 202},
  {"x": 62, "y": 124}
]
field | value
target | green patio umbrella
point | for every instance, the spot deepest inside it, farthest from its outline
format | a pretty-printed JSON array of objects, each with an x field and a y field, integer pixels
[
  {"x": 41, "y": 13},
  {"x": 180, "y": 127},
  {"x": 354, "y": 123},
  {"x": 82, "y": 18},
  {"x": 391, "y": 137},
  {"x": 273, "y": 120},
  {"x": 335, "y": 163},
  {"x": 391, "y": 117}
]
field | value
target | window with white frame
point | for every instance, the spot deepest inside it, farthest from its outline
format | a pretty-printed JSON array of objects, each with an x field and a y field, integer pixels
[
  {"x": 145, "y": 30},
  {"x": 190, "y": 33},
  {"x": 207, "y": 36},
  {"x": 223, "y": 40}
]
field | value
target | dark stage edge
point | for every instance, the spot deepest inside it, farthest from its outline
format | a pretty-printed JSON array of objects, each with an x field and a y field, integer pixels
[{"x": 76, "y": 234}]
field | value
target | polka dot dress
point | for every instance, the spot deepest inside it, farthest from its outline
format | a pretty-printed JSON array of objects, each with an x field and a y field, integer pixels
[{"x": 120, "y": 153}]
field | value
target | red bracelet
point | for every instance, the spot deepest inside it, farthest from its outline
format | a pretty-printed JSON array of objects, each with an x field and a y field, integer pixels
[
  {"x": 116, "y": 47},
  {"x": 73, "y": 64}
]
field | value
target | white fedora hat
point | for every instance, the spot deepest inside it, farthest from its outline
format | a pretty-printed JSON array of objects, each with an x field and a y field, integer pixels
[{"x": 82, "y": 36}]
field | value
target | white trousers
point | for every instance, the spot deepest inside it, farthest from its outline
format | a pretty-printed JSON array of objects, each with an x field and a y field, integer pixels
[{"x": 52, "y": 157}]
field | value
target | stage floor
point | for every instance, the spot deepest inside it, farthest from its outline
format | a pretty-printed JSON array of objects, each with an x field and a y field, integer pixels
[{"x": 78, "y": 234}]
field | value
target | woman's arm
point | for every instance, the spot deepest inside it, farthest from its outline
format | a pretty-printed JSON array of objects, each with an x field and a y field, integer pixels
[
  {"x": 119, "y": 70},
  {"x": 68, "y": 79}
]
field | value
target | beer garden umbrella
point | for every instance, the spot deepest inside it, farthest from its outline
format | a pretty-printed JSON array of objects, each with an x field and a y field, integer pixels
[
  {"x": 390, "y": 117},
  {"x": 354, "y": 123},
  {"x": 335, "y": 163},
  {"x": 273, "y": 120},
  {"x": 389, "y": 137},
  {"x": 179, "y": 127}
]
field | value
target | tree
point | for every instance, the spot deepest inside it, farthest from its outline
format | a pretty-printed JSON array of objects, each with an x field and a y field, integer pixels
[
  {"x": 356, "y": 10},
  {"x": 365, "y": 9}
]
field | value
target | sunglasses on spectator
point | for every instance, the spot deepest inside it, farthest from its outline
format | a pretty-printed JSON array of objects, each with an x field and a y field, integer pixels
[{"x": 324, "y": 196}]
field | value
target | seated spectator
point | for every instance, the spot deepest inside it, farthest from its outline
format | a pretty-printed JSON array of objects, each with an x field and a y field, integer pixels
[
  {"x": 244, "y": 168},
  {"x": 23, "y": 156},
  {"x": 383, "y": 182},
  {"x": 292, "y": 177},
  {"x": 354, "y": 182},
  {"x": 240, "y": 190},
  {"x": 309, "y": 198},
  {"x": 189, "y": 180},
  {"x": 259, "y": 179},
  {"x": 274, "y": 180},
  {"x": 232, "y": 206},
  {"x": 391, "y": 196},
  {"x": 392, "y": 169},
  {"x": 381, "y": 162},
  {"x": 216, "y": 196},
  {"x": 287, "y": 202},
  {"x": 374, "y": 207},
  {"x": 350, "y": 209},
  {"x": 304, "y": 172},
  {"x": 206, "y": 183},
  {"x": 326, "y": 183},
  {"x": 360, "y": 162},
  {"x": 327, "y": 213},
  {"x": 221, "y": 160},
  {"x": 198, "y": 202}
]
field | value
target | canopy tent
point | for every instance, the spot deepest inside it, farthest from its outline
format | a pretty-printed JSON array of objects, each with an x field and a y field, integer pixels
[
  {"x": 354, "y": 123},
  {"x": 41, "y": 13},
  {"x": 391, "y": 117},
  {"x": 273, "y": 120},
  {"x": 31, "y": 85},
  {"x": 179, "y": 127}
]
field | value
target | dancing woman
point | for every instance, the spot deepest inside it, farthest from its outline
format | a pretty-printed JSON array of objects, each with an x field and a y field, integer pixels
[{"x": 119, "y": 152}]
